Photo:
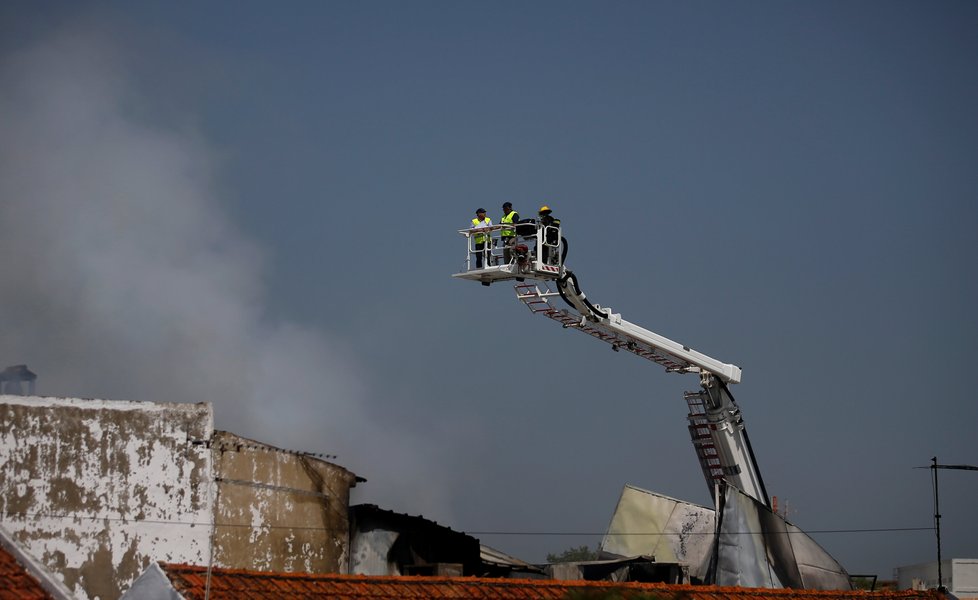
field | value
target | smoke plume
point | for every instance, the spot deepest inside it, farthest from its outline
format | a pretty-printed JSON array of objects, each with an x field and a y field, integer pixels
[{"x": 124, "y": 278}]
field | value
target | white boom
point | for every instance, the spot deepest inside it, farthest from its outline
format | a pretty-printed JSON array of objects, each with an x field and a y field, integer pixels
[{"x": 715, "y": 422}]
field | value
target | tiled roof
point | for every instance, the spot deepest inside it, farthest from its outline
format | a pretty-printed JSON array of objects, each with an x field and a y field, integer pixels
[
  {"x": 191, "y": 582},
  {"x": 15, "y": 582}
]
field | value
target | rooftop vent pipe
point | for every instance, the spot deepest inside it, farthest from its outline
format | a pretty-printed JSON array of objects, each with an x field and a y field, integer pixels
[{"x": 12, "y": 380}]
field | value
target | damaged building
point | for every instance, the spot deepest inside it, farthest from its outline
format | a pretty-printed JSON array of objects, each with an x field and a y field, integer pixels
[
  {"x": 383, "y": 542},
  {"x": 97, "y": 490},
  {"x": 743, "y": 543}
]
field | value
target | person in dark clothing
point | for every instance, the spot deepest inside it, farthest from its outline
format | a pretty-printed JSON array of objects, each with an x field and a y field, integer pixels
[{"x": 551, "y": 235}]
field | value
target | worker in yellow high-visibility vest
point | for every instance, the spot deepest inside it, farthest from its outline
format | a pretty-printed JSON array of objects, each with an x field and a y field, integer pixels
[
  {"x": 508, "y": 235},
  {"x": 481, "y": 239}
]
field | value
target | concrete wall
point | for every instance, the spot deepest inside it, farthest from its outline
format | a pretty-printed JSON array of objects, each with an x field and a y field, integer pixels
[
  {"x": 279, "y": 510},
  {"x": 96, "y": 490}
]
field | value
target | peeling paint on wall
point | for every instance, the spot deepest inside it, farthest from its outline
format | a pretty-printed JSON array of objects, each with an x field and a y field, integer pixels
[
  {"x": 278, "y": 510},
  {"x": 96, "y": 489}
]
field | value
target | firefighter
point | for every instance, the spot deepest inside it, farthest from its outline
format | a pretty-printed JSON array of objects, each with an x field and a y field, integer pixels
[{"x": 551, "y": 234}]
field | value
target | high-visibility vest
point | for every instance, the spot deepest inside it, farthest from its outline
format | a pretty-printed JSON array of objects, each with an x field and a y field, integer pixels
[
  {"x": 480, "y": 238},
  {"x": 508, "y": 220}
]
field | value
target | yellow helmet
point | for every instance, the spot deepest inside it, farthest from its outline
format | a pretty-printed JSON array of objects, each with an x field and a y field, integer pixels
[{"x": 544, "y": 209}]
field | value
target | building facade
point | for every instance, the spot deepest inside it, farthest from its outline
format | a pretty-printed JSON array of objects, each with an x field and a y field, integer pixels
[
  {"x": 277, "y": 510},
  {"x": 98, "y": 490}
]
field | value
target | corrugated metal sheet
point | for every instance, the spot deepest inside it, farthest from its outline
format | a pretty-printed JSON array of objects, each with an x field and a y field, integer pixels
[
  {"x": 492, "y": 556},
  {"x": 650, "y": 524},
  {"x": 758, "y": 548}
]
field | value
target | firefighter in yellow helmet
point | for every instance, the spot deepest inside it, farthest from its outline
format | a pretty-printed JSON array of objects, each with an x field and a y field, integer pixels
[
  {"x": 481, "y": 239},
  {"x": 551, "y": 235}
]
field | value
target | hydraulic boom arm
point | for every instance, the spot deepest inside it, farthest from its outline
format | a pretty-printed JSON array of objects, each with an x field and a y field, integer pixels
[
  {"x": 715, "y": 422},
  {"x": 633, "y": 335}
]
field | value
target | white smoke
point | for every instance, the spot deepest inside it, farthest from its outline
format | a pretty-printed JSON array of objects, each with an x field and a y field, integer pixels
[{"x": 124, "y": 278}]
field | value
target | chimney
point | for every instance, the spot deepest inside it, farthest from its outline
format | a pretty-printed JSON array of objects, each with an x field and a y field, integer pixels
[{"x": 12, "y": 381}]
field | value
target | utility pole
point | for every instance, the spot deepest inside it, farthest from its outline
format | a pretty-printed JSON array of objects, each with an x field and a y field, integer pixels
[
  {"x": 937, "y": 524},
  {"x": 937, "y": 511}
]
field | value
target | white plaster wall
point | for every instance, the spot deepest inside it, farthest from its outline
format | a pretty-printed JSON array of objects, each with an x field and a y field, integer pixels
[{"x": 97, "y": 490}]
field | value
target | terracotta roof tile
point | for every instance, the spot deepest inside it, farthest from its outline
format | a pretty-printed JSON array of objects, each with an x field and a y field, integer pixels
[
  {"x": 16, "y": 583},
  {"x": 229, "y": 583}
]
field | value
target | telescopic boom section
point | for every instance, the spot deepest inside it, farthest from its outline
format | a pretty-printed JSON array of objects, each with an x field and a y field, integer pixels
[{"x": 622, "y": 334}]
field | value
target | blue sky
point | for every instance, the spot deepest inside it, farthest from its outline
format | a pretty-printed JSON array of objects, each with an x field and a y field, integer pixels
[{"x": 258, "y": 206}]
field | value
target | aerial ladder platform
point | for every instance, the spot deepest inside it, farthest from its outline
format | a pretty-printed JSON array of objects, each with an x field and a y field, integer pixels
[{"x": 534, "y": 258}]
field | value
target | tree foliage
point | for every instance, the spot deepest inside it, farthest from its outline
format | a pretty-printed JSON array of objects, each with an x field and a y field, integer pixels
[{"x": 581, "y": 554}]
